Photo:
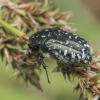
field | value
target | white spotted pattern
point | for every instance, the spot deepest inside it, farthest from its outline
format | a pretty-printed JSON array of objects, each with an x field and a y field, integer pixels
[
  {"x": 73, "y": 54},
  {"x": 56, "y": 53},
  {"x": 37, "y": 36},
  {"x": 77, "y": 45},
  {"x": 85, "y": 61},
  {"x": 58, "y": 30},
  {"x": 60, "y": 42},
  {"x": 76, "y": 37},
  {"x": 66, "y": 33},
  {"x": 70, "y": 37},
  {"x": 49, "y": 48},
  {"x": 70, "y": 49},
  {"x": 79, "y": 57},
  {"x": 59, "y": 51},
  {"x": 82, "y": 40},
  {"x": 43, "y": 36},
  {"x": 83, "y": 54},
  {"x": 86, "y": 45},
  {"x": 46, "y": 30},
  {"x": 60, "y": 46},
  {"x": 54, "y": 48},
  {"x": 49, "y": 34},
  {"x": 67, "y": 42},
  {"x": 65, "y": 52}
]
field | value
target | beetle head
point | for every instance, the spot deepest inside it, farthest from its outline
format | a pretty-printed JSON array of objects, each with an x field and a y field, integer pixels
[{"x": 33, "y": 45}]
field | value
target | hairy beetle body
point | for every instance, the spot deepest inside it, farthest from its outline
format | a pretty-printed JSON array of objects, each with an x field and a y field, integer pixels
[{"x": 63, "y": 46}]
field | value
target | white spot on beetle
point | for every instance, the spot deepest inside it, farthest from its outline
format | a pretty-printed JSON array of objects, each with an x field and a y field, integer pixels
[
  {"x": 46, "y": 30},
  {"x": 85, "y": 61},
  {"x": 56, "y": 53},
  {"x": 59, "y": 30},
  {"x": 36, "y": 36},
  {"x": 83, "y": 55},
  {"x": 88, "y": 57},
  {"x": 79, "y": 41},
  {"x": 82, "y": 40},
  {"x": 43, "y": 36},
  {"x": 77, "y": 45},
  {"x": 67, "y": 42},
  {"x": 60, "y": 42},
  {"x": 79, "y": 57},
  {"x": 76, "y": 37},
  {"x": 65, "y": 52},
  {"x": 73, "y": 54},
  {"x": 49, "y": 34},
  {"x": 70, "y": 49},
  {"x": 54, "y": 47},
  {"x": 49, "y": 48},
  {"x": 86, "y": 45},
  {"x": 66, "y": 33},
  {"x": 59, "y": 51},
  {"x": 70, "y": 37},
  {"x": 60, "y": 46},
  {"x": 53, "y": 41}
]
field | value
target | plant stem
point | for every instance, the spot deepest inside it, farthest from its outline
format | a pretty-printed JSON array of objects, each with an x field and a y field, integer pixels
[{"x": 13, "y": 30}]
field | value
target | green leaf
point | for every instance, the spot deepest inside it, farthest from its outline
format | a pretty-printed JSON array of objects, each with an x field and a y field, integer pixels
[
  {"x": 13, "y": 30},
  {"x": 40, "y": 19},
  {"x": 58, "y": 24},
  {"x": 8, "y": 38},
  {"x": 44, "y": 9},
  {"x": 34, "y": 5},
  {"x": 20, "y": 12},
  {"x": 54, "y": 12},
  {"x": 12, "y": 47}
]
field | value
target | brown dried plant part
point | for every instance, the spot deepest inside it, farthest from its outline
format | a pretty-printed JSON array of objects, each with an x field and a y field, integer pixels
[{"x": 29, "y": 18}]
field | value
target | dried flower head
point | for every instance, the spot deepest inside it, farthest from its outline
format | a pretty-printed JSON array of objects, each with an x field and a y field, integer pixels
[{"x": 29, "y": 18}]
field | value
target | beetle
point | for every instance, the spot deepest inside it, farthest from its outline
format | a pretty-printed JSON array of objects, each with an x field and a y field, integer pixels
[{"x": 63, "y": 46}]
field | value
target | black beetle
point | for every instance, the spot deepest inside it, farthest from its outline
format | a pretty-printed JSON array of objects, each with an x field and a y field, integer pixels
[{"x": 63, "y": 46}]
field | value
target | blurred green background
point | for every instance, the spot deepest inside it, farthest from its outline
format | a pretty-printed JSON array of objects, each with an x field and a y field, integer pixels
[{"x": 88, "y": 28}]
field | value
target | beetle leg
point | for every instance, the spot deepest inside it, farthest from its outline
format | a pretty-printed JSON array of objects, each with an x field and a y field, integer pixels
[
  {"x": 67, "y": 68},
  {"x": 44, "y": 66}
]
